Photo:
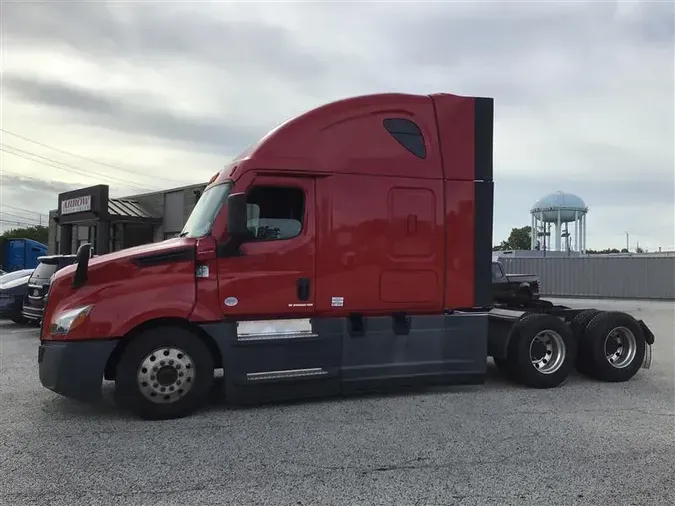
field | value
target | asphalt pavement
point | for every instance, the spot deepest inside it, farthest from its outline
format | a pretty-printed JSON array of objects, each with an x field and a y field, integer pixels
[{"x": 584, "y": 443}]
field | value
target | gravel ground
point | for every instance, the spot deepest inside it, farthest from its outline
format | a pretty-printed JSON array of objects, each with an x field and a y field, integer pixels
[{"x": 584, "y": 443}]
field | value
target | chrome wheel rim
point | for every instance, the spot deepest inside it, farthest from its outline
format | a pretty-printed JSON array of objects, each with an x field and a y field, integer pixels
[
  {"x": 166, "y": 375},
  {"x": 547, "y": 351},
  {"x": 620, "y": 347}
]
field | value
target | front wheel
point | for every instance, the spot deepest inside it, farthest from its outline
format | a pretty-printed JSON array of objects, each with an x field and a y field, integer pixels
[
  {"x": 542, "y": 351},
  {"x": 165, "y": 372}
]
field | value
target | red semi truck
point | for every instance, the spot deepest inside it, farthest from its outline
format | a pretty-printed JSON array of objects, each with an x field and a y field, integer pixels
[{"x": 349, "y": 249}]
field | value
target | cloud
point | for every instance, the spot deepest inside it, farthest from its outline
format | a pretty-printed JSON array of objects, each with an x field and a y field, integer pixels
[
  {"x": 30, "y": 200},
  {"x": 584, "y": 90},
  {"x": 130, "y": 115},
  {"x": 37, "y": 188}
]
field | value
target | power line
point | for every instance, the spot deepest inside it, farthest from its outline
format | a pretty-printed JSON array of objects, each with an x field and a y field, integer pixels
[
  {"x": 5, "y": 213},
  {"x": 75, "y": 170},
  {"x": 89, "y": 159},
  {"x": 18, "y": 223},
  {"x": 7, "y": 174},
  {"x": 23, "y": 210},
  {"x": 71, "y": 168}
]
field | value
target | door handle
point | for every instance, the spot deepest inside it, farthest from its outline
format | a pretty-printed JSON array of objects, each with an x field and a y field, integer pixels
[{"x": 303, "y": 288}]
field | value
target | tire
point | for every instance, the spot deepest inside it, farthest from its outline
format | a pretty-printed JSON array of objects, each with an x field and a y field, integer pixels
[
  {"x": 581, "y": 321},
  {"x": 532, "y": 339},
  {"x": 182, "y": 351},
  {"x": 615, "y": 345},
  {"x": 578, "y": 326},
  {"x": 504, "y": 368}
]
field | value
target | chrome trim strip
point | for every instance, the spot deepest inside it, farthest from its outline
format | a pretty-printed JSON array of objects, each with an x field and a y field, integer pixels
[
  {"x": 291, "y": 373},
  {"x": 276, "y": 337},
  {"x": 274, "y": 327}
]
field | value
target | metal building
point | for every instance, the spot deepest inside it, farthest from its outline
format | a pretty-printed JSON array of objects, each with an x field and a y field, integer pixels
[{"x": 110, "y": 224}]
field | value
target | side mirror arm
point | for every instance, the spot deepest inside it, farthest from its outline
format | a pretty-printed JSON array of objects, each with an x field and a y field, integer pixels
[{"x": 231, "y": 247}]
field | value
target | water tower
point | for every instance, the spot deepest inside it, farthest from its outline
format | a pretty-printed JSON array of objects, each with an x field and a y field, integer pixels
[{"x": 555, "y": 212}]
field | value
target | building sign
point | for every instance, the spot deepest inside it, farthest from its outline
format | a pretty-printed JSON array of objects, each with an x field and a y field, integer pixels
[{"x": 76, "y": 205}]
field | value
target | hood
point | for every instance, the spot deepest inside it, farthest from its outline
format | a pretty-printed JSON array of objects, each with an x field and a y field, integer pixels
[
  {"x": 15, "y": 283},
  {"x": 100, "y": 261}
]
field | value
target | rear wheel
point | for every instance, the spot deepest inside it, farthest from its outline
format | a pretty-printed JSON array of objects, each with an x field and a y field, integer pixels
[
  {"x": 542, "y": 351},
  {"x": 578, "y": 326},
  {"x": 616, "y": 346},
  {"x": 166, "y": 372}
]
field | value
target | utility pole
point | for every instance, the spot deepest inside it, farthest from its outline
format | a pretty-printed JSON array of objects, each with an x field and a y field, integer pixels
[{"x": 627, "y": 243}]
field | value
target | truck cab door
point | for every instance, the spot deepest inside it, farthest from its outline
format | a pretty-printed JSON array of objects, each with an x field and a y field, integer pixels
[
  {"x": 274, "y": 273},
  {"x": 267, "y": 294}
]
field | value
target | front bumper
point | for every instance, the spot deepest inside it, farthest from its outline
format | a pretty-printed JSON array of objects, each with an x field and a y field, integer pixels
[
  {"x": 31, "y": 313},
  {"x": 75, "y": 369}
]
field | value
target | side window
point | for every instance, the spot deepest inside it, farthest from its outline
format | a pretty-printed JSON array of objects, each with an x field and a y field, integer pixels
[
  {"x": 408, "y": 135},
  {"x": 275, "y": 212}
]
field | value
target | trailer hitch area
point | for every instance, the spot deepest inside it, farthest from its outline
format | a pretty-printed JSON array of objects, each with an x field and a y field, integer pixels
[{"x": 649, "y": 340}]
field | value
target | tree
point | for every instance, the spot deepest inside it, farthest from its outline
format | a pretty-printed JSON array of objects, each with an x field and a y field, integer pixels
[
  {"x": 37, "y": 233},
  {"x": 519, "y": 239}
]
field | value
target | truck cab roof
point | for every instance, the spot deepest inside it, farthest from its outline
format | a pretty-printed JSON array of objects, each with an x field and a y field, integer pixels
[{"x": 387, "y": 134}]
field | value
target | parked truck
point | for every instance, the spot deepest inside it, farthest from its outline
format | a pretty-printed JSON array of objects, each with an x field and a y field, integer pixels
[
  {"x": 349, "y": 249},
  {"x": 18, "y": 254},
  {"x": 513, "y": 289}
]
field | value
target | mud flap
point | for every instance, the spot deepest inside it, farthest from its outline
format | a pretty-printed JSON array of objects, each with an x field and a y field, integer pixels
[
  {"x": 649, "y": 340},
  {"x": 649, "y": 335},
  {"x": 647, "y": 362}
]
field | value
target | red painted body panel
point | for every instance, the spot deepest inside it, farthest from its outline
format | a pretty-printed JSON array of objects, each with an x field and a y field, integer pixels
[
  {"x": 459, "y": 241},
  {"x": 364, "y": 251},
  {"x": 384, "y": 230},
  {"x": 124, "y": 295},
  {"x": 456, "y": 133},
  {"x": 263, "y": 279},
  {"x": 347, "y": 137},
  {"x": 207, "y": 307}
]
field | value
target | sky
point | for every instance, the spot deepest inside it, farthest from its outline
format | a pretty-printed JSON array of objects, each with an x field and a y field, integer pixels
[{"x": 148, "y": 95}]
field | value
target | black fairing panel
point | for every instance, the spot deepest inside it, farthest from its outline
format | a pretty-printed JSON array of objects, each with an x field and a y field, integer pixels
[
  {"x": 374, "y": 353},
  {"x": 242, "y": 359},
  {"x": 444, "y": 348}
]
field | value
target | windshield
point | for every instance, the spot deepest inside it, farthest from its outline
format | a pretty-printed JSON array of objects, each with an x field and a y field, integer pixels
[
  {"x": 42, "y": 273},
  {"x": 201, "y": 219}
]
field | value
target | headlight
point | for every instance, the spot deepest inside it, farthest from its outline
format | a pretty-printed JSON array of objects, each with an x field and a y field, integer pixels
[{"x": 69, "y": 320}]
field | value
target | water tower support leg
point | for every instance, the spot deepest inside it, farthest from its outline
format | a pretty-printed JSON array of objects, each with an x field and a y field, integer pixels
[{"x": 558, "y": 233}]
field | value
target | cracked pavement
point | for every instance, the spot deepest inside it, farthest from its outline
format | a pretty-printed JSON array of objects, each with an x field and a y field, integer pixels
[{"x": 585, "y": 443}]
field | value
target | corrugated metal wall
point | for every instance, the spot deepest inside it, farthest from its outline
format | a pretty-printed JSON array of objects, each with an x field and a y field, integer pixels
[{"x": 627, "y": 277}]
